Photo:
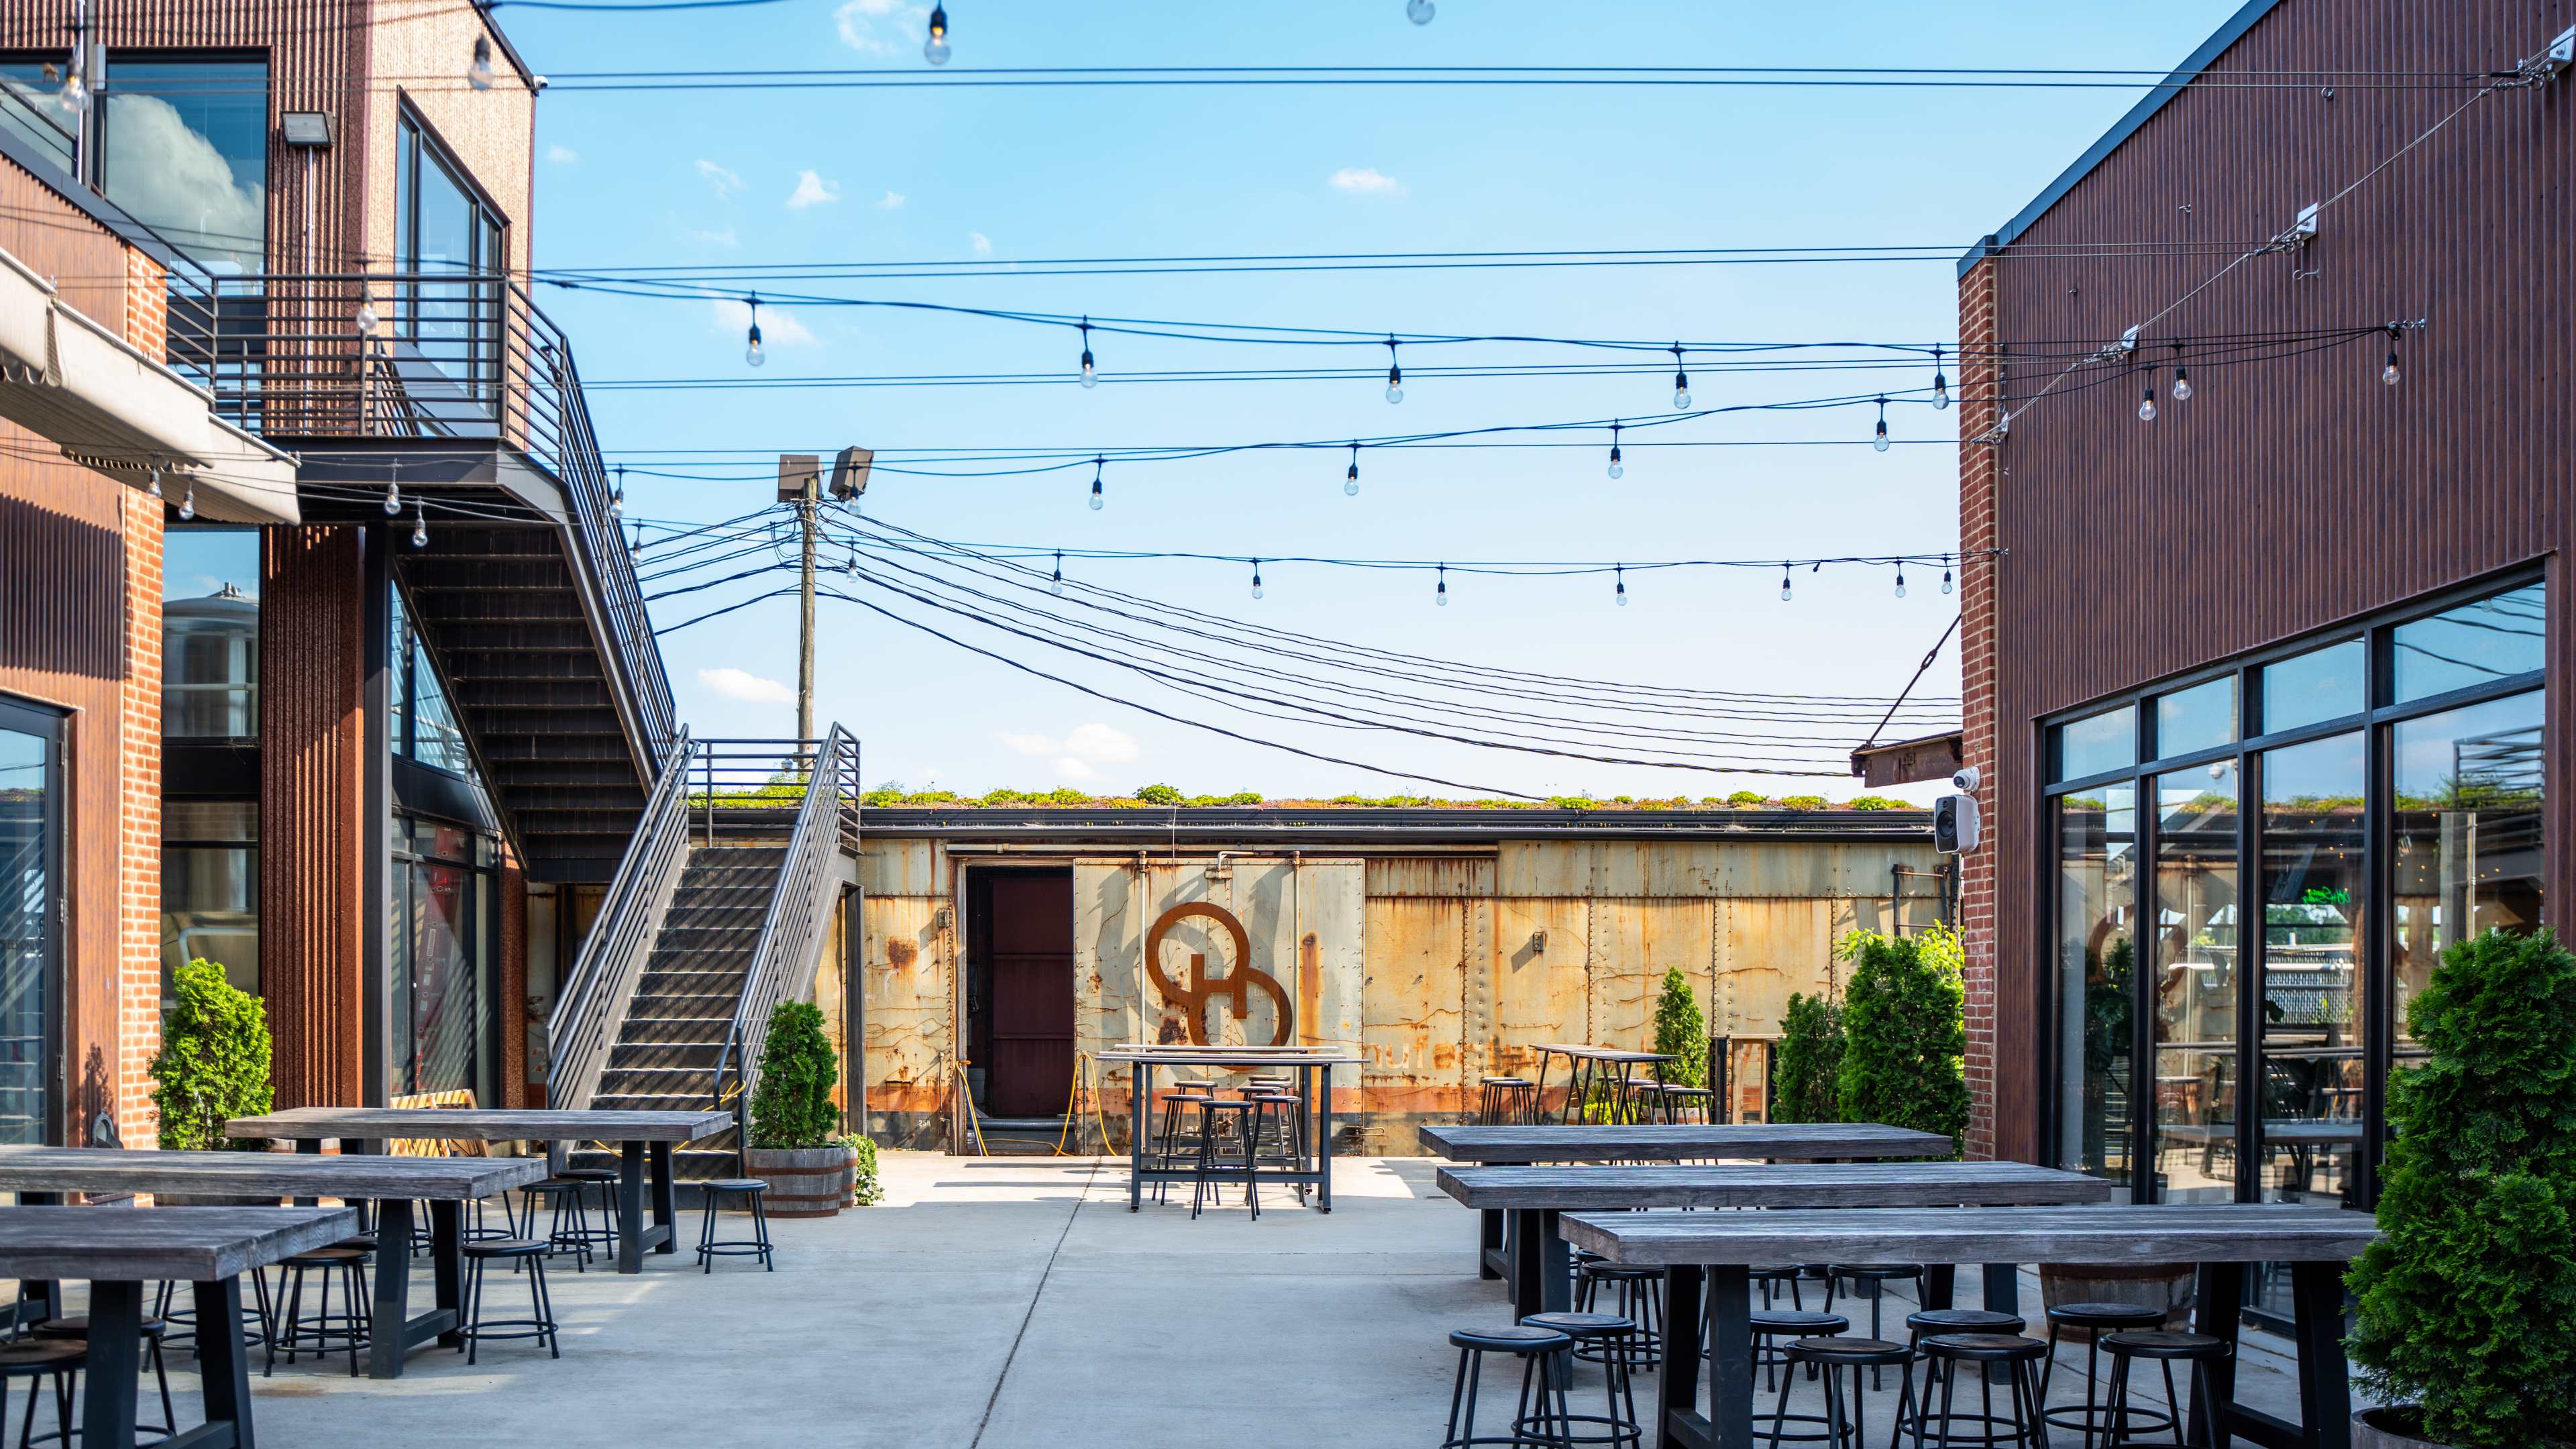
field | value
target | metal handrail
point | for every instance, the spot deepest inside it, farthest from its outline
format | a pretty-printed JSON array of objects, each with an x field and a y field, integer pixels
[
  {"x": 783, "y": 964},
  {"x": 590, "y": 1010}
]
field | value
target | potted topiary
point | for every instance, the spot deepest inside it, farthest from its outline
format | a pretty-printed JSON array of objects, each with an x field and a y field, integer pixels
[
  {"x": 1806, "y": 1072},
  {"x": 1905, "y": 1033},
  {"x": 795, "y": 1144},
  {"x": 2467, "y": 1316},
  {"x": 213, "y": 1066}
]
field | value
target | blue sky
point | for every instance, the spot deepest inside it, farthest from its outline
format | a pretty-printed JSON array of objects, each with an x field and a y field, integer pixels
[{"x": 842, "y": 175}]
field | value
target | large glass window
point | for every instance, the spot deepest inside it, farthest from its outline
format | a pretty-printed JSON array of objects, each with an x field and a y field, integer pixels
[
  {"x": 31, "y": 106},
  {"x": 210, "y": 889},
  {"x": 2097, "y": 884},
  {"x": 2198, "y": 718},
  {"x": 2194, "y": 987},
  {"x": 31, "y": 833},
  {"x": 2106, "y": 741},
  {"x": 2319, "y": 685},
  {"x": 2469, "y": 833},
  {"x": 449, "y": 353},
  {"x": 423, "y": 723},
  {"x": 441, "y": 955},
  {"x": 2481, "y": 643},
  {"x": 210, "y": 633},
  {"x": 2314, "y": 989},
  {"x": 184, "y": 147}
]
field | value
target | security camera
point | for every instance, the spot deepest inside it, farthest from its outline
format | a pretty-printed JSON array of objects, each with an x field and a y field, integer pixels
[{"x": 1965, "y": 781}]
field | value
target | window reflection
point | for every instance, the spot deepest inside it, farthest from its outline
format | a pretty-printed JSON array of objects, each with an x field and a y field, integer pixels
[
  {"x": 2469, "y": 833},
  {"x": 2096, "y": 964},
  {"x": 210, "y": 633},
  {"x": 210, "y": 890},
  {"x": 2196, "y": 718},
  {"x": 2195, "y": 983},
  {"x": 2480, "y": 643},
  {"x": 186, "y": 151},
  {"x": 2106, "y": 741},
  {"x": 2321, "y": 684}
]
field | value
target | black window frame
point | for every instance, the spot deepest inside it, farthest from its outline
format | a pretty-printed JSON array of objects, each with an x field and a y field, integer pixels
[{"x": 26, "y": 716}]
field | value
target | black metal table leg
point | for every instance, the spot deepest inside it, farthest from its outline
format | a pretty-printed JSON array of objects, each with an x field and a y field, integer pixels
[
  {"x": 1489, "y": 1242},
  {"x": 1940, "y": 1284},
  {"x": 666, "y": 1207},
  {"x": 630, "y": 1207},
  {"x": 447, "y": 1265},
  {"x": 2325, "y": 1398},
  {"x": 1140, "y": 1086},
  {"x": 115, "y": 1356},
  {"x": 1323, "y": 1139},
  {"x": 223, "y": 1367},
  {"x": 388, "y": 1329},
  {"x": 2003, "y": 1288},
  {"x": 1538, "y": 1261}
]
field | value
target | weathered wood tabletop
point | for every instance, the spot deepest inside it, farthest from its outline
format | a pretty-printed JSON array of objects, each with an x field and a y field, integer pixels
[
  {"x": 484, "y": 1124},
  {"x": 1718, "y": 1248},
  {"x": 263, "y": 1174},
  {"x": 1771, "y": 1185},
  {"x": 1669, "y": 1142}
]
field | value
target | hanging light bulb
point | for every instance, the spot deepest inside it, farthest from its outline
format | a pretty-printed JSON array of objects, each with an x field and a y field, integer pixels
[
  {"x": 1351, "y": 479},
  {"x": 420, "y": 525},
  {"x": 751, "y": 353},
  {"x": 479, "y": 74},
  {"x": 2389, "y": 374},
  {"x": 850, "y": 565},
  {"x": 1256, "y": 578},
  {"x": 1940, "y": 384},
  {"x": 1090, "y": 372},
  {"x": 152, "y": 485},
  {"x": 1681, "y": 379},
  {"x": 1878, "y": 439},
  {"x": 1784, "y": 581},
  {"x": 2182, "y": 377},
  {"x": 393, "y": 494},
  {"x": 1616, "y": 468},
  {"x": 1097, "y": 501},
  {"x": 2147, "y": 399},
  {"x": 617, "y": 496},
  {"x": 1420, "y": 11},
  {"x": 935, "y": 49},
  {"x": 1056, "y": 584},
  {"x": 1394, "y": 374},
  {"x": 1620, "y": 595},
  {"x": 1945, "y": 573},
  {"x": 75, "y": 91},
  {"x": 188, "y": 501},
  {"x": 1440, "y": 596},
  {"x": 1900, "y": 581}
]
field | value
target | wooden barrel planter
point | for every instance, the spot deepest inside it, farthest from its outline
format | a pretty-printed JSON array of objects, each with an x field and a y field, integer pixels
[{"x": 804, "y": 1182}]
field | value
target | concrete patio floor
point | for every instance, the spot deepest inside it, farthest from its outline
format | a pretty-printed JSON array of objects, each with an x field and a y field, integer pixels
[{"x": 1001, "y": 1302}]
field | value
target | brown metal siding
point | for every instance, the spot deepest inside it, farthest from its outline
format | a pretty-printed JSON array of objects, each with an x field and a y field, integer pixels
[
  {"x": 312, "y": 811},
  {"x": 2285, "y": 495}
]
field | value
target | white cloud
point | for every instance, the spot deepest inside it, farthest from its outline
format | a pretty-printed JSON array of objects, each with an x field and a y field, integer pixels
[
  {"x": 812, "y": 190},
  {"x": 172, "y": 178},
  {"x": 1079, "y": 750},
  {"x": 891, "y": 201},
  {"x": 741, "y": 684},
  {"x": 1366, "y": 181},
  {"x": 778, "y": 326},
  {"x": 881, "y": 27},
  {"x": 727, "y": 185},
  {"x": 982, "y": 244},
  {"x": 562, "y": 155},
  {"x": 723, "y": 238}
]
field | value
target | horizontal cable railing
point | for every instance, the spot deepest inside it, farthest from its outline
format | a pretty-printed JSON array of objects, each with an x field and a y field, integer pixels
[
  {"x": 791, "y": 934},
  {"x": 433, "y": 355},
  {"x": 591, "y": 1008}
]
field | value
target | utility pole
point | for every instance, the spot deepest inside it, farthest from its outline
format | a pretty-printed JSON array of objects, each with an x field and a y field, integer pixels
[{"x": 800, "y": 482}]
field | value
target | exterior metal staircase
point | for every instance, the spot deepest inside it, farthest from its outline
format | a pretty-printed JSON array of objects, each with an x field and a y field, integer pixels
[{"x": 718, "y": 912}]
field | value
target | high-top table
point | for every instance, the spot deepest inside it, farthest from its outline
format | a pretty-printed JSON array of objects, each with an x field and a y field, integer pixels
[
  {"x": 1662, "y": 1142},
  {"x": 1535, "y": 1196},
  {"x": 636, "y": 1134},
  {"x": 117, "y": 1251},
  {"x": 392, "y": 1183},
  {"x": 1583, "y": 1067},
  {"x": 1718, "y": 1248},
  {"x": 1315, "y": 1108}
]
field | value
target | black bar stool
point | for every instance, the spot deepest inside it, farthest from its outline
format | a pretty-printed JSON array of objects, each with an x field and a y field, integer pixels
[
  {"x": 1637, "y": 1294},
  {"x": 540, "y": 1326},
  {"x": 1774, "y": 1328},
  {"x": 1617, "y": 1423},
  {"x": 1682, "y": 1104},
  {"x": 75, "y": 1329},
  {"x": 1506, "y": 1101},
  {"x": 344, "y": 1265},
  {"x": 1210, "y": 1161},
  {"x": 568, "y": 1223},
  {"x": 1167, "y": 1154},
  {"x": 600, "y": 1232},
  {"x": 1540, "y": 1418},
  {"x": 2095, "y": 1321},
  {"x": 1869, "y": 1281},
  {"x": 34, "y": 1360},
  {"x": 1831, "y": 1356},
  {"x": 182, "y": 1318},
  {"x": 2020, "y": 1357},
  {"x": 711, "y": 1247},
  {"x": 2165, "y": 1348}
]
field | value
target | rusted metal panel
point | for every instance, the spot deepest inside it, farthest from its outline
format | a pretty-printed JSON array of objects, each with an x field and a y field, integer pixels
[
  {"x": 1543, "y": 868},
  {"x": 908, "y": 1004},
  {"x": 1434, "y": 876},
  {"x": 1633, "y": 943},
  {"x": 906, "y": 867},
  {"x": 1540, "y": 987},
  {"x": 1413, "y": 1011},
  {"x": 1764, "y": 950}
]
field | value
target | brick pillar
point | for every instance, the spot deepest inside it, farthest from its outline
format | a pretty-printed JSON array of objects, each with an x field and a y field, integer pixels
[
  {"x": 1981, "y": 381},
  {"x": 138, "y": 889},
  {"x": 147, "y": 307},
  {"x": 513, "y": 1012}
]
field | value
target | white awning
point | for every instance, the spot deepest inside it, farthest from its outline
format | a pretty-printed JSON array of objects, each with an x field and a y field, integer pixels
[{"x": 106, "y": 404}]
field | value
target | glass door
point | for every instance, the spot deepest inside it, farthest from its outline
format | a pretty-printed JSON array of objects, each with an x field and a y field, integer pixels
[{"x": 31, "y": 915}]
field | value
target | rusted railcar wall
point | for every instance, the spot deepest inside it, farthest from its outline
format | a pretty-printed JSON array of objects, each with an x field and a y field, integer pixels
[{"x": 1441, "y": 966}]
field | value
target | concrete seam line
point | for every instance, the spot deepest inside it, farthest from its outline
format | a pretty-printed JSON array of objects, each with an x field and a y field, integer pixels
[{"x": 1035, "y": 1294}]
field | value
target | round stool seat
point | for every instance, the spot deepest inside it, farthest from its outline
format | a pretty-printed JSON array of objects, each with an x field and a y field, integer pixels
[
  {"x": 555, "y": 1184},
  {"x": 1581, "y": 1325},
  {"x": 1858, "y": 1352},
  {"x": 1670, "y": 1089},
  {"x": 1621, "y": 1272},
  {"x": 2106, "y": 1315},
  {"x": 589, "y": 1174},
  {"x": 1964, "y": 1320},
  {"x": 41, "y": 1356},
  {"x": 1513, "y": 1339},
  {"x": 1792, "y": 1321},
  {"x": 363, "y": 1243},
  {"x": 736, "y": 1184},
  {"x": 1874, "y": 1271},
  {"x": 2166, "y": 1344},
  {"x": 1984, "y": 1347},
  {"x": 77, "y": 1326},
  {"x": 506, "y": 1248},
  {"x": 1778, "y": 1272},
  {"x": 330, "y": 1257}
]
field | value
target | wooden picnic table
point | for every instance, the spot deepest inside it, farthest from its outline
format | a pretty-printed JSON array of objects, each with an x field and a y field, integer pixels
[
  {"x": 118, "y": 1251},
  {"x": 392, "y": 1183},
  {"x": 1315, "y": 1109},
  {"x": 1718, "y": 1248},
  {"x": 1535, "y": 1196},
  {"x": 636, "y": 1133},
  {"x": 1661, "y": 1142}
]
